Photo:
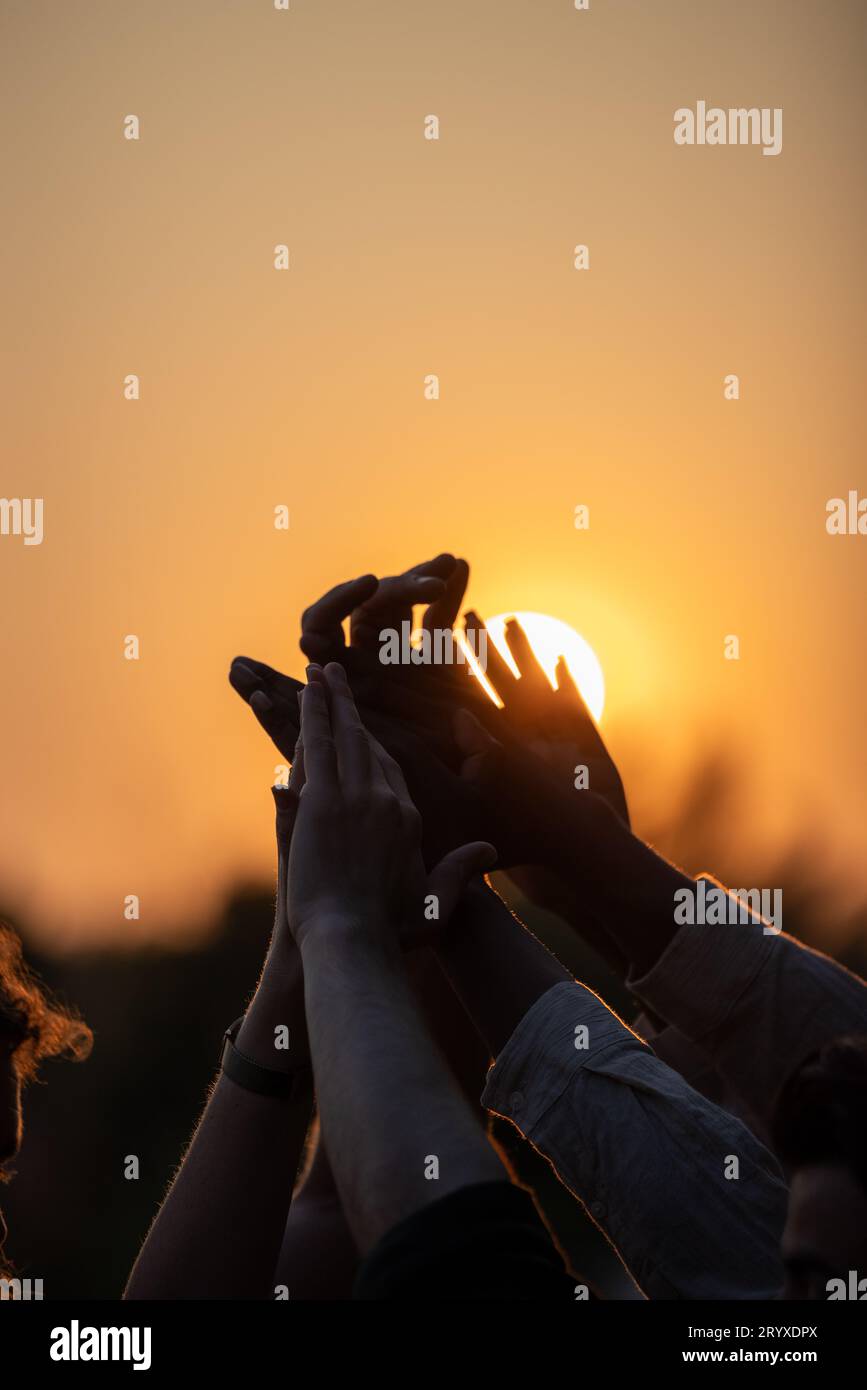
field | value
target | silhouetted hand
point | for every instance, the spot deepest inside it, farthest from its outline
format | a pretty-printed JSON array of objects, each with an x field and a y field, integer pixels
[
  {"x": 355, "y": 863},
  {"x": 554, "y": 724},
  {"x": 561, "y": 828},
  {"x": 418, "y": 694},
  {"x": 273, "y": 698},
  {"x": 409, "y": 708},
  {"x": 372, "y": 604},
  {"x": 451, "y": 809}
]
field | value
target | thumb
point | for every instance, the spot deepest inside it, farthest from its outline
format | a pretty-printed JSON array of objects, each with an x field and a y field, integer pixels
[
  {"x": 449, "y": 879},
  {"x": 286, "y": 807}
]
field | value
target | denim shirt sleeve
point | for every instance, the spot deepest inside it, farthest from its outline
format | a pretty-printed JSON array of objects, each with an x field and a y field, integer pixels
[{"x": 646, "y": 1155}]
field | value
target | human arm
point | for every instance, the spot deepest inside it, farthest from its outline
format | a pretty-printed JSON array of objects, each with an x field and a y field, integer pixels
[
  {"x": 611, "y": 875},
  {"x": 355, "y": 880},
  {"x": 749, "y": 998},
  {"x": 318, "y": 1257},
  {"x": 218, "y": 1231},
  {"x": 625, "y": 1134},
  {"x": 691, "y": 1200},
  {"x": 495, "y": 965}
]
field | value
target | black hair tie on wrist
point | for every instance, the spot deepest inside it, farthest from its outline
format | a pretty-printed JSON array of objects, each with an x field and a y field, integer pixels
[{"x": 265, "y": 1081}]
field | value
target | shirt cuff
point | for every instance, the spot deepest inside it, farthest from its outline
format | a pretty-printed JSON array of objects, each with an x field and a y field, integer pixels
[
  {"x": 546, "y": 1047},
  {"x": 703, "y": 972}
]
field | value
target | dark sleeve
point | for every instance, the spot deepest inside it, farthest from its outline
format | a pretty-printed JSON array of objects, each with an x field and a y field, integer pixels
[{"x": 485, "y": 1241}]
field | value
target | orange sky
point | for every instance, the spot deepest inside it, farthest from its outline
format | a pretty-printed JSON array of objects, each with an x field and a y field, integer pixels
[{"x": 410, "y": 257}]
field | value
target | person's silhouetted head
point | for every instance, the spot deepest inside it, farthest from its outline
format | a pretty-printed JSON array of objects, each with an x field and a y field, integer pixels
[{"x": 820, "y": 1132}]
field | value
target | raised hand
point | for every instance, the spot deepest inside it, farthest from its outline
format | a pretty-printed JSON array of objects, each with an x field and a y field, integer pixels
[
  {"x": 561, "y": 827},
  {"x": 414, "y": 691},
  {"x": 600, "y": 877},
  {"x": 372, "y": 604},
  {"x": 408, "y": 708},
  {"x": 355, "y": 862},
  {"x": 272, "y": 697},
  {"x": 450, "y": 809},
  {"x": 554, "y": 724}
]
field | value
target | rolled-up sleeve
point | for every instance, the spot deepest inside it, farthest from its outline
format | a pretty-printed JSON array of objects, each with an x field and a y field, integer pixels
[
  {"x": 688, "y": 1196},
  {"x": 756, "y": 1003}
]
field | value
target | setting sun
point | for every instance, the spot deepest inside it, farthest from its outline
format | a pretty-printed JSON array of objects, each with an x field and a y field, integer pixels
[{"x": 550, "y": 639}]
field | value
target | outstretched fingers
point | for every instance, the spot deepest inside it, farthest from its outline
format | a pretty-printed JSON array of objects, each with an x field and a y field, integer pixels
[
  {"x": 495, "y": 667},
  {"x": 568, "y": 694},
  {"x": 533, "y": 678}
]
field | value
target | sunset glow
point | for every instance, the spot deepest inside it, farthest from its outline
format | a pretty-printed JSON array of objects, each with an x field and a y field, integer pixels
[{"x": 550, "y": 639}]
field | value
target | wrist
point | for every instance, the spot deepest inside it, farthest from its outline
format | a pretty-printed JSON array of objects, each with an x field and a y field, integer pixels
[
  {"x": 282, "y": 965},
  {"x": 629, "y": 889},
  {"x": 250, "y": 1062},
  {"x": 339, "y": 935},
  {"x": 274, "y": 1030},
  {"x": 274, "y": 1037},
  {"x": 597, "y": 852}
]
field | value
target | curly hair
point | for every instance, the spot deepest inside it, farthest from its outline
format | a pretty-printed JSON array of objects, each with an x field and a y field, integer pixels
[{"x": 39, "y": 1025}]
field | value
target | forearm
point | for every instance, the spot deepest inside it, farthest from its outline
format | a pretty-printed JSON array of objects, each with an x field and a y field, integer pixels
[
  {"x": 497, "y": 968},
  {"x": 373, "y": 1059},
  {"x": 607, "y": 872},
  {"x": 219, "y": 1230},
  {"x": 466, "y": 1052},
  {"x": 318, "y": 1259},
  {"x": 614, "y": 878}
]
